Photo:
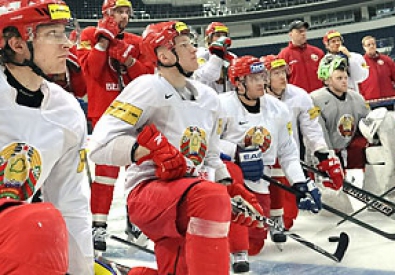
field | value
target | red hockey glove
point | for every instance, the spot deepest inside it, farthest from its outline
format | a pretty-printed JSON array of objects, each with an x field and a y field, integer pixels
[
  {"x": 253, "y": 210},
  {"x": 170, "y": 162},
  {"x": 220, "y": 48},
  {"x": 333, "y": 168},
  {"x": 107, "y": 28},
  {"x": 121, "y": 51}
]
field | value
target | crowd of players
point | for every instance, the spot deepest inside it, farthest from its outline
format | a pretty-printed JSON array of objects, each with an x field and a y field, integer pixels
[{"x": 196, "y": 128}]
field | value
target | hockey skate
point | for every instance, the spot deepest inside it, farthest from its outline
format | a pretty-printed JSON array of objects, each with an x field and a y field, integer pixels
[
  {"x": 277, "y": 235},
  {"x": 240, "y": 262},
  {"x": 99, "y": 233}
]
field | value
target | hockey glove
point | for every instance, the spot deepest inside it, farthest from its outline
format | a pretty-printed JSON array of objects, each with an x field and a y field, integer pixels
[
  {"x": 246, "y": 201},
  {"x": 220, "y": 48},
  {"x": 312, "y": 203},
  {"x": 169, "y": 161},
  {"x": 107, "y": 28},
  {"x": 332, "y": 166},
  {"x": 250, "y": 162},
  {"x": 121, "y": 51}
]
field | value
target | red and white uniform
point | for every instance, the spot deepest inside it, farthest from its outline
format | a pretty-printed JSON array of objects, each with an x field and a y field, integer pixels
[
  {"x": 47, "y": 144},
  {"x": 303, "y": 62},
  {"x": 103, "y": 87},
  {"x": 171, "y": 213},
  {"x": 270, "y": 129},
  {"x": 380, "y": 83}
]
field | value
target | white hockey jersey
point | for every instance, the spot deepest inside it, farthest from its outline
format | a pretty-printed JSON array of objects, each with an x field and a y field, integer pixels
[
  {"x": 44, "y": 148},
  {"x": 211, "y": 70},
  {"x": 304, "y": 117},
  {"x": 193, "y": 126},
  {"x": 358, "y": 70},
  {"x": 270, "y": 130}
]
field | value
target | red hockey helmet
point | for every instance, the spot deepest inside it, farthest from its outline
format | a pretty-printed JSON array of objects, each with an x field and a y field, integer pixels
[
  {"x": 331, "y": 34},
  {"x": 243, "y": 66},
  {"x": 109, "y": 5},
  {"x": 273, "y": 62},
  {"x": 26, "y": 15},
  {"x": 215, "y": 27},
  {"x": 161, "y": 34}
]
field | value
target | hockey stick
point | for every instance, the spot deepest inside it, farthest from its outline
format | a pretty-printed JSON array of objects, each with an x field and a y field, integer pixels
[
  {"x": 239, "y": 207},
  {"x": 332, "y": 210},
  {"x": 129, "y": 243},
  {"x": 377, "y": 202},
  {"x": 366, "y": 206}
]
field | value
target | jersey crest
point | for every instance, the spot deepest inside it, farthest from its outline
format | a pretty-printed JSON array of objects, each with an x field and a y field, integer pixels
[
  {"x": 194, "y": 144},
  {"x": 258, "y": 136},
  {"x": 20, "y": 169},
  {"x": 346, "y": 125}
]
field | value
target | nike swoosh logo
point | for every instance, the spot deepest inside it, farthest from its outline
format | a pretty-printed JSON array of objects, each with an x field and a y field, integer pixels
[
  {"x": 243, "y": 122},
  {"x": 168, "y": 96}
]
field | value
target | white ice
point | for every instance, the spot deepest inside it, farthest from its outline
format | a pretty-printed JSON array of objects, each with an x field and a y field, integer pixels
[{"x": 367, "y": 254}]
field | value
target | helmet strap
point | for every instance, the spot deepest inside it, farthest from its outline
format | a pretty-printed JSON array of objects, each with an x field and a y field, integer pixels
[
  {"x": 177, "y": 65},
  {"x": 30, "y": 63}
]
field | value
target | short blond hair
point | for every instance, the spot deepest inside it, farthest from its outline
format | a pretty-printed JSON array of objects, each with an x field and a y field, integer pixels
[{"x": 367, "y": 38}]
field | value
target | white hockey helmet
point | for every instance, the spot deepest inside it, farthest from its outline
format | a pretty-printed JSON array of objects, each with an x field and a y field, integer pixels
[{"x": 370, "y": 125}]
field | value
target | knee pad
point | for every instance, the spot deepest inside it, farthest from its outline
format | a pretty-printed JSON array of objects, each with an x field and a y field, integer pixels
[{"x": 208, "y": 205}]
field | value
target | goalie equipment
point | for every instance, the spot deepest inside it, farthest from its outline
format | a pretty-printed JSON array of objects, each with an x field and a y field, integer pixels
[{"x": 370, "y": 125}]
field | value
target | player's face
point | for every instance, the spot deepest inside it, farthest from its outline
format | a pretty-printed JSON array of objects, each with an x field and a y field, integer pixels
[
  {"x": 255, "y": 84},
  {"x": 51, "y": 48},
  {"x": 334, "y": 44},
  {"x": 121, "y": 16},
  {"x": 370, "y": 46},
  {"x": 298, "y": 36},
  {"x": 338, "y": 82},
  {"x": 278, "y": 79},
  {"x": 186, "y": 53}
]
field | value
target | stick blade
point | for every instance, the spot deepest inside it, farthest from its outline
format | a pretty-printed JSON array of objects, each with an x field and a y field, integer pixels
[{"x": 342, "y": 246}]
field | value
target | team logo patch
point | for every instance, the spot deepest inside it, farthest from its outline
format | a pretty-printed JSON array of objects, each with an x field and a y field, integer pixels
[
  {"x": 258, "y": 136},
  {"x": 380, "y": 62},
  {"x": 346, "y": 125},
  {"x": 194, "y": 144},
  {"x": 314, "y": 57},
  {"x": 20, "y": 169}
]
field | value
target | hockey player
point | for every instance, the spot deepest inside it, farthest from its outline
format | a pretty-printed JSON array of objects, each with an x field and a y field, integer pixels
[
  {"x": 110, "y": 59},
  {"x": 214, "y": 58},
  {"x": 257, "y": 130},
  {"x": 43, "y": 127},
  {"x": 377, "y": 128},
  {"x": 358, "y": 71},
  {"x": 173, "y": 158},
  {"x": 304, "y": 122},
  {"x": 340, "y": 109}
]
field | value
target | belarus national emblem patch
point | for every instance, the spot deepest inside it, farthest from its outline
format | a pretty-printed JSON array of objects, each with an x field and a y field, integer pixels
[
  {"x": 194, "y": 144},
  {"x": 20, "y": 168}
]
